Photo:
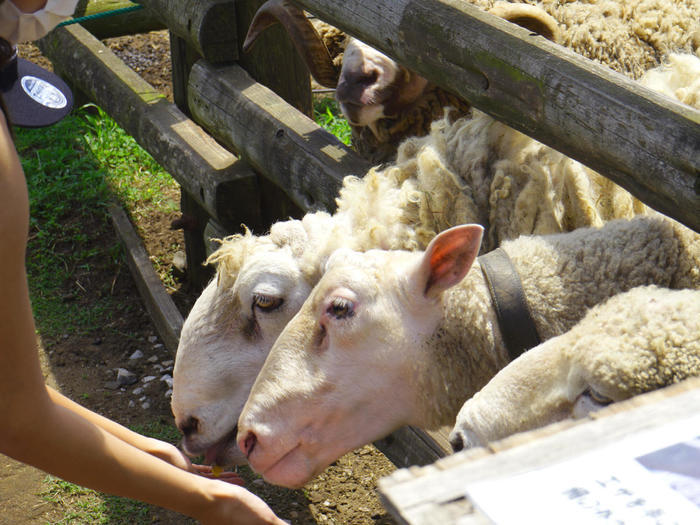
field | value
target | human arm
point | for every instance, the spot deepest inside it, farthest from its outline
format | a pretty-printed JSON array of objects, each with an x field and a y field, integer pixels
[
  {"x": 155, "y": 447},
  {"x": 43, "y": 430}
]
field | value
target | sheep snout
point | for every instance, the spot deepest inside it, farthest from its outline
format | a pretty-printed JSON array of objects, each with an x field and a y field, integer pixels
[
  {"x": 247, "y": 443},
  {"x": 189, "y": 426}
]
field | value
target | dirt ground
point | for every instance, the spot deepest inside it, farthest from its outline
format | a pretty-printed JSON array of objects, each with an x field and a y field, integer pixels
[{"x": 81, "y": 366}]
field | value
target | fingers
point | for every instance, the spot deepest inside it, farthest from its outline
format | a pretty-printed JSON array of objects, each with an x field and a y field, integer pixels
[{"x": 226, "y": 476}]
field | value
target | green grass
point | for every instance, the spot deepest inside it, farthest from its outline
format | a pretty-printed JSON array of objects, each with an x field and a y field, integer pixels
[
  {"x": 73, "y": 170},
  {"x": 86, "y": 506},
  {"x": 328, "y": 116},
  {"x": 133, "y": 175}
]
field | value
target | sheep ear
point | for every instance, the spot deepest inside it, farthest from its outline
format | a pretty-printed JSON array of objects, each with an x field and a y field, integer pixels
[{"x": 448, "y": 258}]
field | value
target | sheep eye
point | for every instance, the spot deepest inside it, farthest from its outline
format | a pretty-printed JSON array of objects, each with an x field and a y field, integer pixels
[
  {"x": 596, "y": 397},
  {"x": 267, "y": 303},
  {"x": 340, "y": 308}
]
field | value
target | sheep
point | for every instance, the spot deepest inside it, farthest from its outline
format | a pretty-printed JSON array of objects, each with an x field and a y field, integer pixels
[
  {"x": 393, "y": 338},
  {"x": 633, "y": 343},
  {"x": 386, "y": 102},
  {"x": 262, "y": 281}
]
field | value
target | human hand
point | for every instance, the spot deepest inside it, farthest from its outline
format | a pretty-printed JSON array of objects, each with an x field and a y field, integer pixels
[
  {"x": 175, "y": 456},
  {"x": 236, "y": 505}
]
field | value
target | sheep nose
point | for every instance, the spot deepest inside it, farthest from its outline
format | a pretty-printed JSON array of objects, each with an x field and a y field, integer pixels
[
  {"x": 189, "y": 426},
  {"x": 457, "y": 441},
  {"x": 247, "y": 444}
]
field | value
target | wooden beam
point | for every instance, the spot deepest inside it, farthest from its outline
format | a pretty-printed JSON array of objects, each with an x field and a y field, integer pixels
[
  {"x": 160, "y": 306},
  {"x": 273, "y": 61},
  {"x": 200, "y": 165},
  {"x": 131, "y": 23},
  {"x": 209, "y": 26},
  {"x": 413, "y": 446},
  {"x": 643, "y": 141},
  {"x": 307, "y": 162}
]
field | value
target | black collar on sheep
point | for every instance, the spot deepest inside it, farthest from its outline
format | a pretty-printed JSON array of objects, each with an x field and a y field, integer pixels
[{"x": 514, "y": 318}]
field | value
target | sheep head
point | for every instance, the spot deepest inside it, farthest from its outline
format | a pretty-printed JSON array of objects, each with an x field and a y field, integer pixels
[
  {"x": 344, "y": 371},
  {"x": 228, "y": 333},
  {"x": 370, "y": 85},
  {"x": 635, "y": 342}
]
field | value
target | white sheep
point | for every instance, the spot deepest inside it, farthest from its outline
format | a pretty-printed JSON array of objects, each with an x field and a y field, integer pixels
[
  {"x": 392, "y": 338},
  {"x": 386, "y": 102},
  {"x": 262, "y": 281},
  {"x": 633, "y": 343}
]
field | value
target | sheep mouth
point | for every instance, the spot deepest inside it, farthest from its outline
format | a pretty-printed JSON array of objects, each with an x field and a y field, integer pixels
[
  {"x": 358, "y": 114},
  {"x": 225, "y": 451}
]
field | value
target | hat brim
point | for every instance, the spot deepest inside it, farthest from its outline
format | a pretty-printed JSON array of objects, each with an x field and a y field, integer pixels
[{"x": 37, "y": 97}]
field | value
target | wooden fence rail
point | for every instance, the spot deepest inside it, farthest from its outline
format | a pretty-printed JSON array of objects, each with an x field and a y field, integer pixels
[
  {"x": 288, "y": 147},
  {"x": 209, "y": 26},
  {"x": 199, "y": 164}
]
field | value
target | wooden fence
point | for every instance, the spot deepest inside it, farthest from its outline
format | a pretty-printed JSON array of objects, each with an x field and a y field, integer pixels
[{"x": 240, "y": 141}]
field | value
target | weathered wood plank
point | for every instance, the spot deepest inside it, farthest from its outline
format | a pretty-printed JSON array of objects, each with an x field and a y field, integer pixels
[
  {"x": 182, "y": 58},
  {"x": 195, "y": 220},
  {"x": 192, "y": 157},
  {"x": 274, "y": 62},
  {"x": 290, "y": 149},
  {"x": 277, "y": 65},
  {"x": 159, "y": 304},
  {"x": 643, "y": 141},
  {"x": 425, "y": 495},
  {"x": 414, "y": 446},
  {"x": 131, "y": 23},
  {"x": 209, "y": 26}
]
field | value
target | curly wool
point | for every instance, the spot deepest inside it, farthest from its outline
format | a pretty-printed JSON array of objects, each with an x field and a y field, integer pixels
[
  {"x": 639, "y": 341},
  {"x": 629, "y": 37},
  {"x": 634, "y": 342}
]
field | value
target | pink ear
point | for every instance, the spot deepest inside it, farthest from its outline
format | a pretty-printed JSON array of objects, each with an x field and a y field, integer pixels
[{"x": 448, "y": 258}]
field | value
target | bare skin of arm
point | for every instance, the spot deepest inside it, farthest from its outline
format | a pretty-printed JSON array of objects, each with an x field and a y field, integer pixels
[
  {"x": 155, "y": 447},
  {"x": 44, "y": 429}
]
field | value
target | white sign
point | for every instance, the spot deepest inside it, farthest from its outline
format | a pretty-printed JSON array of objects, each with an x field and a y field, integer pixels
[{"x": 650, "y": 478}]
